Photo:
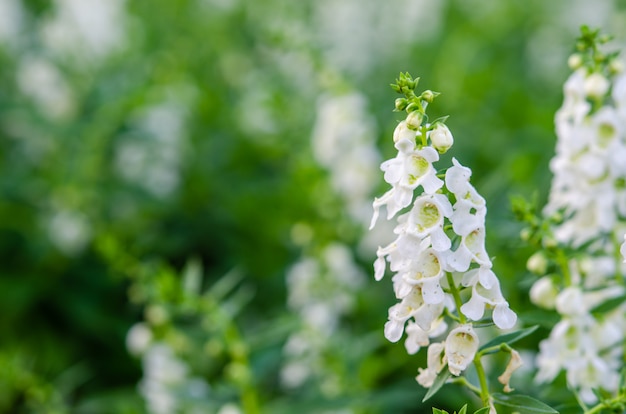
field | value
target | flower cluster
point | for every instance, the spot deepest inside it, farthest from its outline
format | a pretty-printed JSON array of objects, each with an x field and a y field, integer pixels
[
  {"x": 439, "y": 250},
  {"x": 320, "y": 292},
  {"x": 586, "y": 216}
]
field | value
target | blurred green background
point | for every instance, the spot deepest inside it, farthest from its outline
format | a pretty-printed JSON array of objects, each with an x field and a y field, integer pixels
[{"x": 153, "y": 150}]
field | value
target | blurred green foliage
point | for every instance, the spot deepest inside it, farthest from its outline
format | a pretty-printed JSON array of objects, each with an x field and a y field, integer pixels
[{"x": 190, "y": 138}]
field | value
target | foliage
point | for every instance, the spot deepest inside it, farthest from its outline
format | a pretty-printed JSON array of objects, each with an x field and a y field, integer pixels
[{"x": 158, "y": 182}]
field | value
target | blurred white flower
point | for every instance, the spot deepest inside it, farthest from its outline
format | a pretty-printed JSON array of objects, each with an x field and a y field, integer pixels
[
  {"x": 343, "y": 142},
  {"x": 11, "y": 21},
  {"x": 150, "y": 157},
  {"x": 138, "y": 338},
  {"x": 596, "y": 85},
  {"x": 43, "y": 82},
  {"x": 544, "y": 292},
  {"x": 69, "y": 230},
  {"x": 85, "y": 29},
  {"x": 320, "y": 292}
]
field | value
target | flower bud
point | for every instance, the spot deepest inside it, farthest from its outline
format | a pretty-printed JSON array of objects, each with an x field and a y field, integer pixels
[
  {"x": 537, "y": 263},
  {"x": 461, "y": 347},
  {"x": 414, "y": 120},
  {"x": 428, "y": 96},
  {"x": 441, "y": 138},
  {"x": 616, "y": 66},
  {"x": 401, "y": 103},
  {"x": 575, "y": 61},
  {"x": 570, "y": 301},
  {"x": 596, "y": 85},
  {"x": 402, "y": 132},
  {"x": 543, "y": 293}
]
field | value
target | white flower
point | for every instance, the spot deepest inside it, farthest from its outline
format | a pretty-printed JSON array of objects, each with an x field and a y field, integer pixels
[
  {"x": 571, "y": 301},
  {"x": 543, "y": 293},
  {"x": 416, "y": 337},
  {"x": 470, "y": 208},
  {"x": 403, "y": 133},
  {"x": 138, "y": 338},
  {"x": 472, "y": 248},
  {"x": 426, "y": 219},
  {"x": 503, "y": 316},
  {"x": 461, "y": 346},
  {"x": 537, "y": 263},
  {"x": 412, "y": 305},
  {"x": 596, "y": 85},
  {"x": 441, "y": 138},
  {"x": 426, "y": 271},
  {"x": 408, "y": 170},
  {"x": 435, "y": 363}
]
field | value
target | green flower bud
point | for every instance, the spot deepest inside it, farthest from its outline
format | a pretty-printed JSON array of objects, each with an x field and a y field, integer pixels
[
  {"x": 401, "y": 103},
  {"x": 411, "y": 107},
  {"x": 429, "y": 95}
]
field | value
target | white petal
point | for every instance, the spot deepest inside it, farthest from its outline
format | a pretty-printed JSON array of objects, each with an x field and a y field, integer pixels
[
  {"x": 460, "y": 259},
  {"x": 379, "y": 268},
  {"x": 394, "y": 330},
  {"x": 474, "y": 308},
  {"x": 486, "y": 277},
  {"x": 432, "y": 292},
  {"x": 431, "y": 183},
  {"x": 440, "y": 240},
  {"x": 503, "y": 317}
]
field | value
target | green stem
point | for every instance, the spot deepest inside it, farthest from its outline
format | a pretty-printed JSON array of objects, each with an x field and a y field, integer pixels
[
  {"x": 464, "y": 382},
  {"x": 482, "y": 378},
  {"x": 613, "y": 405},
  {"x": 561, "y": 259},
  {"x": 423, "y": 134},
  {"x": 457, "y": 297}
]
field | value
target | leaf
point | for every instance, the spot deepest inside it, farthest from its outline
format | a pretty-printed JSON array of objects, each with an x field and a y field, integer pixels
[
  {"x": 484, "y": 410},
  {"x": 463, "y": 410},
  {"x": 509, "y": 338},
  {"x": 438, "y": 383},
  {"x": 438, "y": 411},
  {"x": 192, "y": 276},
  {"x": 523, "y": 403},
  {"x": 609, "y": 305}
]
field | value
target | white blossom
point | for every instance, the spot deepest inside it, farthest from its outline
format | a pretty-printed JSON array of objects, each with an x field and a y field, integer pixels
[
  {"x": 422, "y": 257},
  {"x": 460, "y": 348},
  {"x": 441, "y": 138},
  {"x": 435, "y": 362}
]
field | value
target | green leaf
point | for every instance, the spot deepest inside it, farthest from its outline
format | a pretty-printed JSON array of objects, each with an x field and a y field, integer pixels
[
  {"x": 463, "y": 410},
  {"x": 609, "y": 305},
  {"x": 192, "y": 277},
  {"x": 438, "y": 411},
  {"x": 523, "y": 404},
  {"x": 484, "y": 410},
  {"x": 439, "y": 381},
  {"x": 509, "y": 338}
]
